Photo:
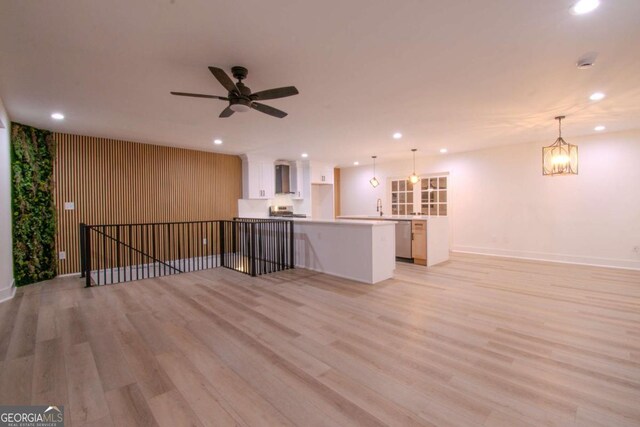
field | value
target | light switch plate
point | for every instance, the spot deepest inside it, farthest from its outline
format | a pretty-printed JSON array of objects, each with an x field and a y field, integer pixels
[
  {"x": 62, "y": 255},
  {"x": 69, "y": 206}
]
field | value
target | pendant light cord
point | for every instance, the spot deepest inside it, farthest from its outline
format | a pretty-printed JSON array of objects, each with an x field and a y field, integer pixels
[
  {"x": 560, "y": 127},
  {"x": 414, "y": 159}
]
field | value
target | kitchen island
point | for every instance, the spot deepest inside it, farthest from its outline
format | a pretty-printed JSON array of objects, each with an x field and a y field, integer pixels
[
  {"x": 436, "y": 235},
  {"x": 361, "y": 250}
]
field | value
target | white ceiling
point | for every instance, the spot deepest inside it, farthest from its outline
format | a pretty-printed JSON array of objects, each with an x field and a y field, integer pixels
[{"x": 461, "y": 74}]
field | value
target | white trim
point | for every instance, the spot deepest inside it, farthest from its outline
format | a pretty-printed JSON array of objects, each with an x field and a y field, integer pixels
[
  {"x": 8, "y": 293},
  {"x": 626, "y": 264},
  {"x": 69, "y": 275},
  {"x": 342, "y": 276},
  {"x": 147, "y": 271}
]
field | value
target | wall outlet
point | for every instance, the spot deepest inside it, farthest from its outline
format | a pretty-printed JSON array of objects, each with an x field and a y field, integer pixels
[
  {"x": 62, "y": 255},
  {"x": 636, "y": 249},
  {"x": 69, "y": 206},
  {"x": 204, "y": 241}
]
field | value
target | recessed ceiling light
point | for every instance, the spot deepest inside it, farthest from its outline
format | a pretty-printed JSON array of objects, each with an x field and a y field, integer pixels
[
  {"x": 217, "y": 141},
  {"x": 57, "y": 116},
  {"x": 397, "y": 135},
  {"x": 356, "y": 163},
  {"x": 443, "y": 150},
  {"x": 305, "y": 155},
  {"x": 599, "y": 128},
  {"x": 596, "y": 96},
  {"x": 584, "y": 6}
]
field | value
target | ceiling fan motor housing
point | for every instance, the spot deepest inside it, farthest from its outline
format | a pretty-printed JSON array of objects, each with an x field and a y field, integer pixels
[
  {"x": 239, "y": 73},
  {"x": 244, "y": 90}
]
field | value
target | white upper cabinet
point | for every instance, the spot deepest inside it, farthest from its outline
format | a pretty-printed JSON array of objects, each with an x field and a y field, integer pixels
[
  {"x": 321, "y": 173},
  {"x": 297, "y": 180},
  {"x": 258, "y": 178}
]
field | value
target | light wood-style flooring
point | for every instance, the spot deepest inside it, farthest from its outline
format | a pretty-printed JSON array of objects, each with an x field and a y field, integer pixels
[{"x": 478, "y": 341}]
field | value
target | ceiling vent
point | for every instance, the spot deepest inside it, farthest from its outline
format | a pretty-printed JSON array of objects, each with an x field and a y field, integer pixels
[{"x": 587, "y": 60}]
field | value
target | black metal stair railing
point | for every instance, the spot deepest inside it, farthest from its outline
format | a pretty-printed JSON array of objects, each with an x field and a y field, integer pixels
[
  {"x": 115, "y": 253},
  {"x": 268, "y": 241}
]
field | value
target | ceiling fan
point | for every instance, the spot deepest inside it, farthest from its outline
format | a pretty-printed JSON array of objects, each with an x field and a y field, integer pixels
[{"x": 240, "y": 97}]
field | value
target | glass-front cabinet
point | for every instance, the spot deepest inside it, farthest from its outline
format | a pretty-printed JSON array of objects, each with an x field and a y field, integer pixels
[
  {"x": 401, "y": 197},
  {"x": 433, "y": 196},
  {"x": 427, "y": 197}
]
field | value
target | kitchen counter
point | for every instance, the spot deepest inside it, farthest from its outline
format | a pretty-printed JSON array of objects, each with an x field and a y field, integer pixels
[
  {"x": 361, "y": 250},
  {"x": 437, "y": 233},
  {"x": 385, "y": 217},
  {"x": 339, "y": 221}
]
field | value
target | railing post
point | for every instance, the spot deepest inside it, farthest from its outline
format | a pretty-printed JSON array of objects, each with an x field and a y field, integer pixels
[
  {"x": 252, "y": 248},
  {"x": 221, "y": 239},
  {"x": 234, "y": 236},
  {"x": 87, "y": 256},
  {"x": 82, "y": 249},
  {"x": 291, "y": 241}
]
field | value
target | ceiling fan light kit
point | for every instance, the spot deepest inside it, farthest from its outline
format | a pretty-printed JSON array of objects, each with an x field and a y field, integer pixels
[{"x": 240, "y": 97}]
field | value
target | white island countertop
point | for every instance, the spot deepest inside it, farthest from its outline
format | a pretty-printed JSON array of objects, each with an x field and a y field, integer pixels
[
  {"x": 385, "y": 217},
  {"x": 343, "y": 221},
  {"x": 350, "y": 220}
]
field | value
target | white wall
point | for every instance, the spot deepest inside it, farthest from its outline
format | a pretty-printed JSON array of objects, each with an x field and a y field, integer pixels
[
  {"x": 6, "y": 257},
  {"x": 500, "y": 203},
  {"x": 322, "y": 201}
]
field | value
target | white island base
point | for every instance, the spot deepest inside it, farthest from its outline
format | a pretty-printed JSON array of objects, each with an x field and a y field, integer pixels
[{"x": 359, "y": 250}]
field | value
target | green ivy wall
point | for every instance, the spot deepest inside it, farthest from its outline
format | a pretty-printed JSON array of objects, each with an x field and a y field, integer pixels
[{"x": 34, "y": 214}]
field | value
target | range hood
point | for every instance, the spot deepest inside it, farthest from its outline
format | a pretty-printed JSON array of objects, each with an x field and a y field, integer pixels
[{"x": 283, "y": 179}]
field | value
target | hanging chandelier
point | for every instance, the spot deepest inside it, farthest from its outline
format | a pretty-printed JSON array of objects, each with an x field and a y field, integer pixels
[
  {"x": 374, "y": 181},
  {"x": 560, "y": 158},
  {"x": 414, "y": 178}
]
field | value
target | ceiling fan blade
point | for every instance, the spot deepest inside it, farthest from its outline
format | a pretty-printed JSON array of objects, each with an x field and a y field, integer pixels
[
  {"x": 199, "y": 95},
  {"x": 224, "y": 79},
  {"x": 280, "y": 92},
  {"x": 268, "y": 110},
  {"x": 226, "y": 112}
]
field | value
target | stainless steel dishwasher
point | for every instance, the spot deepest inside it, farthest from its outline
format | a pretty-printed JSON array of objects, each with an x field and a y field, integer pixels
[{"x": 403, "y": 239}]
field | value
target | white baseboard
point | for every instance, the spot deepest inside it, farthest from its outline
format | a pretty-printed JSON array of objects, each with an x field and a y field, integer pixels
[
  {"x": 342, "y": 276},
  {"x": 69, "y": 275},
  {"x": 627, "y": 264},
  {"x": 8, "y": 293}
]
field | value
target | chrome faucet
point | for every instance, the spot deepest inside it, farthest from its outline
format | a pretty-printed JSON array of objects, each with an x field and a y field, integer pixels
[{"x": 379, "y": 206}]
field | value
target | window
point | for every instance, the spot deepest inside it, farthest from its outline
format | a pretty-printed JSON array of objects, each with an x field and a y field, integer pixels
[
  {"x": 434, "y": 196},
  {"x": 401, "y": 197}
]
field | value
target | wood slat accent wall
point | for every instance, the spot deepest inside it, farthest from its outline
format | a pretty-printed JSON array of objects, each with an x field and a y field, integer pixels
[{"x": 121, "y": 182}]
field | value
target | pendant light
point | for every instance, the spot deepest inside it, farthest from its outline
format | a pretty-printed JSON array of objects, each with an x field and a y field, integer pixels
[
  {"x": 414, "y": 178},
  {"x": 374, "y": 181},
  {"x": 560, "y": 158}
]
